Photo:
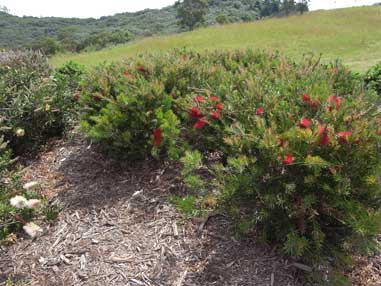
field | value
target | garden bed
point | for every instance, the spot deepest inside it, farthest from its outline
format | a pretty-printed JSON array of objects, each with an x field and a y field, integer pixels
[
  {"x": 117, "y": 228},
  {"x": 129, "y": 238}
]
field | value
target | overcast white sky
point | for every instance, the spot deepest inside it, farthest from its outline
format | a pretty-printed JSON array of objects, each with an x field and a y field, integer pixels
[{"x": 98, "y": 8}]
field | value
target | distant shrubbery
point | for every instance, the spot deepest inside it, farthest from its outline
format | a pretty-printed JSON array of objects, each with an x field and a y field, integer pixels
[
  {"x": 103, "y": 39},
  {"x": 93, "y": 42},
  {"x": 298, "y": 143}
]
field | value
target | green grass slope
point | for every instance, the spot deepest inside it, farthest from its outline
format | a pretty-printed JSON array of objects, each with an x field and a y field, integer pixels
[{"x": 353, "y": 35}]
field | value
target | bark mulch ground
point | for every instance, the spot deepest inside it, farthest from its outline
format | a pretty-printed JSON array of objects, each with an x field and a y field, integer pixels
[{"x": 116, "y": 227}]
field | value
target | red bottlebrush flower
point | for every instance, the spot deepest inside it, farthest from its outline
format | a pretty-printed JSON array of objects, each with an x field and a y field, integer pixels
[
  {"x": 157, "y": 137},
  {"x": 126, "y": 73},
  {"x": 306, "y": 97},
  {"x": 289, "y": 159},
  {"x": 344, "y": 136},
  {"x": 141, "y": 69},
  {"x": 214, "y": 98},
  {"x": 338, "y": 103},
  {"x": 220, "y": 106},
  {"x": 315, "y": 103},
  {"x": 195, "y": 112},
  {"x": 216, "y": 114},
  {"x": 200, "y": 123},
  {"x": 305, "y": 123},
  {"x": 379, "y": 132},
  {"x": 97, "y": 97},
  {"x": 334, "y": 100},
  {"x": 324, "y": 140},
  {"x": 260, "y": 111},
  {"x": 280, "y": 142},
  {"x": 322, "y": 130},
  {"x": 199, "y": 99}
]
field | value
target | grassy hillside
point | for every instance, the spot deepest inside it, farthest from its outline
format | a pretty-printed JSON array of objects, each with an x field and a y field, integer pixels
[
  {"x": 16, "y": 32},
  {"x": 351, "y": 34}
]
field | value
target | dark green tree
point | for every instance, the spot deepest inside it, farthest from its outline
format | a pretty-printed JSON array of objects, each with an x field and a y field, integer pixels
[
  {"x": 102, "y": 39},
  {"x": 4, "y": 9},
  {"x": 265, "y": 8},
  {"x": 270, "y": 8},
  {"x": 48, "y": 45},
  {"x": 288, "y": 6},
  {"x": 222, "y": 19},
  {"x": 68, "y": 39},
  {"x": 275, "y": 7},
  {"x": 191, "y": 12},
  {"x": 257, "y": 5},
  {"x": 302, "y": 6}
]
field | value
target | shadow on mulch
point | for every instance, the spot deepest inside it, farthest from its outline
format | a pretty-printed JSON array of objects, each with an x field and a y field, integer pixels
[
  {"x": 94, "y": 181},
  {"x": 235, "y": 262}
]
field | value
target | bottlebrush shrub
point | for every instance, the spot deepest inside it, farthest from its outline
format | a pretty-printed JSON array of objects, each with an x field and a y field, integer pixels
[
  {"x": 303, "y": 158},
  {"x": 33, "y": 103},
  {"x": 373, "y": 78},
  {"x": 128, "y": 111},
  {"x": 298, "y": 142},
  {"x": 174, "y": 96}
]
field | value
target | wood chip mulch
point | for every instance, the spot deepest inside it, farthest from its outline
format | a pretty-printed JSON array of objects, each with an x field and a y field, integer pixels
[
  {"x": 116, "y": 227},
  {"x": 367, "y": 271}
]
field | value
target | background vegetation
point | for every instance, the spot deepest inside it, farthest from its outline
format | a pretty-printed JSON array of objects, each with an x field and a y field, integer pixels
[
  {"x": 330, "y": 33},
  {"x": 63, "y": 34}
]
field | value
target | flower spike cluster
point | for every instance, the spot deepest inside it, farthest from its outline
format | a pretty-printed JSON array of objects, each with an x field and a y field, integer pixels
[
  {"x": 334, "y": 103},
  {"x": 213, "y": 104}
]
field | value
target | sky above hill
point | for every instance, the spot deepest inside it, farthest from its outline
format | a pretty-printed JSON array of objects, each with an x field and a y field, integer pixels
[{"x": 98, "y": 8}]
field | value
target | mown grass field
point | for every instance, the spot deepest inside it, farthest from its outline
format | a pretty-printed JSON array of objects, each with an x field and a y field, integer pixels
[{"x": 353, "y": 35}]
